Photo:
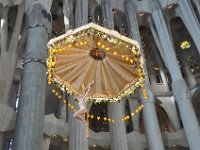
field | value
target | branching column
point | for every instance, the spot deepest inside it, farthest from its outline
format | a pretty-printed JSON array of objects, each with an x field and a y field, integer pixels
[
  {"x": 77, "y": 129},
  {"x": 189, "y": 18},
  {"x": 115, "y": 110},
  {"x": 149, "y": 112},
  {"x": 30, "y": 116},
  {"x": 180, "y": 89}
]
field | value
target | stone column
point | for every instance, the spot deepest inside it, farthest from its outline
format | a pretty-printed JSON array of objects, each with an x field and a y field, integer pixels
[
  {"x": 8, "y": 54},
  {"x": 85, "y": 11},
  {"x": 81, "y": 13},
  {"x": 30, "y": 116},
  {"x": 117, "y": 129},
  {"x": 197, "y": 3},
  {"x": 66, "y": 12},
  {"x": 133, "y": 103},
  {"x": 77, "y": 130},
  {"x": 4, "y": 28},
  {"x": 190, "y": 20},
  {"x": 180, "y": 89},
  {"x": 107, "y": 13},
  {"x": 46, "y": 142},
  {"x": 151, "y": 124},
  {"x": 149, "y": 112},
  {"x": 78, "y": 13},
  {"x": 115, "y": 110}
]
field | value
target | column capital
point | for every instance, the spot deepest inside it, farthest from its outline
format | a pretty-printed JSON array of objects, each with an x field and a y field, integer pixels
[{"x": 38, "y": 16}]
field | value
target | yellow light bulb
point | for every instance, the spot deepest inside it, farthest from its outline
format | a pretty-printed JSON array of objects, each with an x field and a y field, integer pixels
[
  {"x": 123, "y": 56},
  {"x": 98, "y": 43},
  {"x": 85, "y": 42},
  {"x": 107, "y": 48},
  {"x": 131, "y": 61},
  {"x": 115, "y": 53},
  {"x": 53, "y": 64},
  {"x": 132, "y": 114},
  {"x": 50, "y": 75},
  {"x": 127, "y": 58},
  {"x": 49, "y": 69},
  {"x": 103, "y": 46}
]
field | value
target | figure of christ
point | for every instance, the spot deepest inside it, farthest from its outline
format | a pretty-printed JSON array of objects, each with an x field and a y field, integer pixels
[{"x": 82, "y": 102}]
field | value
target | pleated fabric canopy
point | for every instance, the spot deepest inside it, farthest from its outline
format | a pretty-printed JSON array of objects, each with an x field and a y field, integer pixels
[{"x": 92, "y": 53}]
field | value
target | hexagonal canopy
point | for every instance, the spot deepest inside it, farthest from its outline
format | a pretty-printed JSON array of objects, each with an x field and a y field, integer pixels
[{"x": 93, "y": 53}]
